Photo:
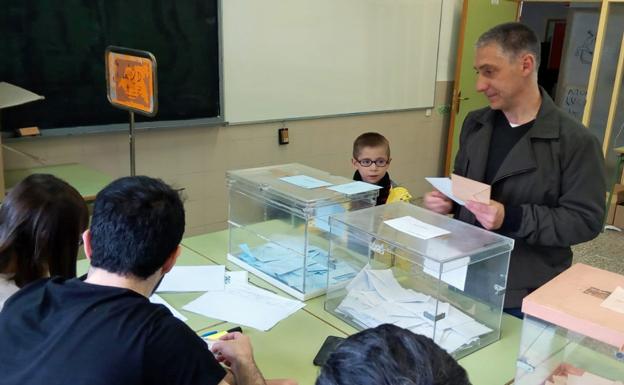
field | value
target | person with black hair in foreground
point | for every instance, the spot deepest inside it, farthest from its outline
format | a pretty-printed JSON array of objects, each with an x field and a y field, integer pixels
[
  {"x": 390, "y": 355},
  {"x": 104, "y": 330}
]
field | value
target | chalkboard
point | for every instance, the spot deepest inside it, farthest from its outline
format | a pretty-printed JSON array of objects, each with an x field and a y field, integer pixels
[{"x": 56, "y": 49}]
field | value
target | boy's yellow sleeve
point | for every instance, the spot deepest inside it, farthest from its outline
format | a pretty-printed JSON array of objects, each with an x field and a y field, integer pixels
[{"x": 398, "y": 194}]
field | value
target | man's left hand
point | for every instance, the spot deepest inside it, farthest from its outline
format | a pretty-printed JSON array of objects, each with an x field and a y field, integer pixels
[{"x": 490, "y": 216}]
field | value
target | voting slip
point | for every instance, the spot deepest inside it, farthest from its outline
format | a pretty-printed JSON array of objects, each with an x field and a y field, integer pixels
[
  {"x": 193, "y": 278},
  {"x": 467, "y": 189},
  {"x": 245, "y": 305}
]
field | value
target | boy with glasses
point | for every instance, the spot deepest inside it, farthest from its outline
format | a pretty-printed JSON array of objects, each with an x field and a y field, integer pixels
[{"x": 371, "y": 159}]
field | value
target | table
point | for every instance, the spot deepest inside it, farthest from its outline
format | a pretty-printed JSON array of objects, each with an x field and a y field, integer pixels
[
  {"x": 287, "y": 350},
  {"x": 86, "y": 180}
]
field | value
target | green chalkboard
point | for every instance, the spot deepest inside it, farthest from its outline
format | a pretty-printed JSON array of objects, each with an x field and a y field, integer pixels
[{"x": 56, "y": 48}]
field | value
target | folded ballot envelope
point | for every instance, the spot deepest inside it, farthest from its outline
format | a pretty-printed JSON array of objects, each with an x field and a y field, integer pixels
[{"x": 467, "y": 189}]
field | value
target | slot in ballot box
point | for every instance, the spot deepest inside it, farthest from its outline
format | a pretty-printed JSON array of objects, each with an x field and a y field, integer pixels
[
  {"x": 278, "y": 223},
  {"x": 573, "y": 330},
  {"x": 419, "y": 270}
]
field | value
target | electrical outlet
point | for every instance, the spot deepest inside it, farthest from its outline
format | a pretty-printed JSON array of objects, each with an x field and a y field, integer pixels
[{"x": 428, "y": 112}]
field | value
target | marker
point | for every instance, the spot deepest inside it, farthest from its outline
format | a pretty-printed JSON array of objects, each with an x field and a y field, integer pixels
[{"x": 215, "y": 334}]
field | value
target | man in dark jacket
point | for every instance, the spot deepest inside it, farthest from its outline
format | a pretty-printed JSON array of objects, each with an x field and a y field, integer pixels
[{"x": 545, "y": 168}]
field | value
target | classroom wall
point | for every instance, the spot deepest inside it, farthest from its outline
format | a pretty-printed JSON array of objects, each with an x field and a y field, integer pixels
[{"x": 197, "y": 158}]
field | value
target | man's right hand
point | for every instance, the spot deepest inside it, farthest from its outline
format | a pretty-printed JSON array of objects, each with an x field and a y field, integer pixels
[
  {"x": 438, "y": 202},
  {"x": 234, "y": 350}
]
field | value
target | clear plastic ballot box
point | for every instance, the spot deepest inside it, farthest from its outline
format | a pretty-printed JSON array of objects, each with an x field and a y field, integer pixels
[
  {"x": 573, "y": 330},
  {"x": 419, "y": 270},
  {"x": 278, "y": 223}
]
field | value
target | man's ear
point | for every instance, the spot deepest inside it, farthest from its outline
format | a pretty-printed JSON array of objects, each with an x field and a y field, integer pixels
[
  {"x": 354, "y": 162},
  {"x": 86, "y": 244},
  {"x": 528, "y": 64},
  {"x": 171, "y": 261}
]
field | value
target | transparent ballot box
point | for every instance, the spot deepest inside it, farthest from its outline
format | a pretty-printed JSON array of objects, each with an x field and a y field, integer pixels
[
  {"x": 422, "y": 271},
  {"x": 279, "y": 223},
  {"x": 573, "y": 330}
]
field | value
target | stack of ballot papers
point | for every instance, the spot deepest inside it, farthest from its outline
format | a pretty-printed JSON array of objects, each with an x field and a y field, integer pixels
[
  {"x": 282, "y": 262},
  {"x": 228, "y": 296},
  {"x": 375, "y": 297},
  {"x": 244, "y": 304}
]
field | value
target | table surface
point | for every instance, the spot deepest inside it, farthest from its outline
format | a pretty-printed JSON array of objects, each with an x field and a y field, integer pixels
[
  {"x": 287, "y": 350},
  {"x": 86, "y": 180},
  {"x": 494, "y": 364}
]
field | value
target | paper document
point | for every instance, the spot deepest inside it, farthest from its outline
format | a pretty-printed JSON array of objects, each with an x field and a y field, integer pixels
[
  {"x": 305, "y": 181},
  {"x": 375, "y": 297},
  {"x": 415, "y": 228},
  {"x": 615, "y": 301},
  {"x": 444, "y": 185},
  {"x": 470, "y": 190},
  {"x": 455, "y": 274},
  {"x": 155, "y": 298},
  {"x": 245, "y": 305},
  {"x": 354, "y": 187},
  {"x": 193, "y": 278}
]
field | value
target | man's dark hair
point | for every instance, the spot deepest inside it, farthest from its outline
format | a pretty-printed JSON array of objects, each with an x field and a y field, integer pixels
[
  {"x": 390, "y": 355},
  {"x": 41, "y": 222},
  {"x": 514, "y": 38},
  {"x": 370, "y": 139},
  {"x": 137, "y": 223}
]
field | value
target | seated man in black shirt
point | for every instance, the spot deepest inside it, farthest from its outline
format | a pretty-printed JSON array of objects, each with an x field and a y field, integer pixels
[{"x": 104, "y": 330}]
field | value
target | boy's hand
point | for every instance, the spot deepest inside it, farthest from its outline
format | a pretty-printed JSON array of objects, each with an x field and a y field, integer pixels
[{"x": 438, "y": 202}]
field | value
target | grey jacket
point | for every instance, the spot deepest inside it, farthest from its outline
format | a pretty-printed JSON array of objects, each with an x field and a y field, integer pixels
[{"x": 555, "y": 174}]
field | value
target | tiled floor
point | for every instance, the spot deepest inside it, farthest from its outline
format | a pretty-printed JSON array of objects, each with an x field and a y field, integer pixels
[{"x": 605, "y": 252}]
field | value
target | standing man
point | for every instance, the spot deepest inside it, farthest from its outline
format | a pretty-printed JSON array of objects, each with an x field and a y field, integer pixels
[
  {"x": 104, "y": 330},
  {"x": 545, "y": 168}
]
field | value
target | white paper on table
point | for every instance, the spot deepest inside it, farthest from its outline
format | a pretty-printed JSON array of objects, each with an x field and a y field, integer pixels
[
  {"x": 615, "y": 301},
  {"x": 354, "y": 187},
  {"x": 236, "y": 277},
  {"x": 193, "y": 278},
  {"x": 305, "y": 181},
  {"x": 155, "y": 298},
  {"x": 415, "y": 228},
  {"x": 455, "y": 274},
  {"x": 245, "y": 305},
  {"x": 445, "y": 186}
]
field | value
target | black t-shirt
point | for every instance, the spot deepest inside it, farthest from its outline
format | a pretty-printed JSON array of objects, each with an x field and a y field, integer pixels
[
  {"x": 58, "y": 331},
  {"x": 504, "y": 138}
]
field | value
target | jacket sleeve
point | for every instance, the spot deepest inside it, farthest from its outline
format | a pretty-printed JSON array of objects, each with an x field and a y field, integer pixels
[{"x": 579, "y": 214}]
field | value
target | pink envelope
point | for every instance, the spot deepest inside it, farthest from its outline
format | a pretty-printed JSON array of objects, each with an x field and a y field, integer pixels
[{"x": 467, "y": 189}]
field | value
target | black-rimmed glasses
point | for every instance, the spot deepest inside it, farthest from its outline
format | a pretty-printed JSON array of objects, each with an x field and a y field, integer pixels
[{"x": 369, "y": 162}]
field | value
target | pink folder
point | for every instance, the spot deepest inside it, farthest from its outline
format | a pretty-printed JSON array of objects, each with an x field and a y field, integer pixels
[{"x": 572, "y": 300}]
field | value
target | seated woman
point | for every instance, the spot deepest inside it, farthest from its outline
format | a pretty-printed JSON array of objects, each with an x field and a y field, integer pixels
[
  {"x": 41, "y": 223},
  {"x": 390, "y": 355}
]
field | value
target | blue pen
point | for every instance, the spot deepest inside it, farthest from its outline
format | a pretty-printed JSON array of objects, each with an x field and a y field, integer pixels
[{"x": 209, "y": 333}]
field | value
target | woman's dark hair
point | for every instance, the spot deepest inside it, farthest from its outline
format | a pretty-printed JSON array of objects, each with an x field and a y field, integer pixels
[
  {"x": 390, "y": 355},
  {"x": 41, "y": 223}
]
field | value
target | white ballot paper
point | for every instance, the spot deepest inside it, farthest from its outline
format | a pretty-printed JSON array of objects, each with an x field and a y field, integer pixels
[
  {"x": 615, "y": 301},
  {"x": 193, "y": 278},
  {"x": 155, "y": 298},
  {"x": 445, "y": 186},
  {"x": 415, "y": 228},
  {"x": 245, "y": 305}
]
